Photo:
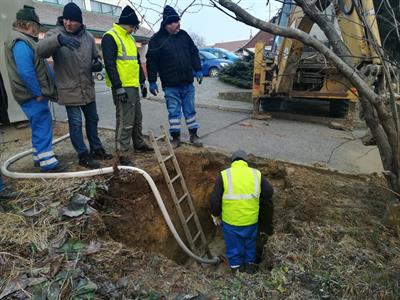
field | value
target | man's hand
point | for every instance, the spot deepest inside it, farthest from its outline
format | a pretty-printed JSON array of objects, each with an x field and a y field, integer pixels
[
  {"x": 217, "y": 220},
  {"x": 122, "y": 95},
  {"x": 199, "y": 76},
  {"x": 39, "y": 98},
  {"x": 68, "y": 42},
  {"x": 153, "y": 88},
  {"x": 97, "y": 66},
  {"x": 143, "y": 89}
]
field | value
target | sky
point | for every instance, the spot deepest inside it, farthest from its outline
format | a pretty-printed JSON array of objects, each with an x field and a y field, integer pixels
[{"x": 211, "y": 23}]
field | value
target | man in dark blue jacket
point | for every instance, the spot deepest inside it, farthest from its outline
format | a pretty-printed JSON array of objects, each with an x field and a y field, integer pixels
[{"x": 173, "y": 55}]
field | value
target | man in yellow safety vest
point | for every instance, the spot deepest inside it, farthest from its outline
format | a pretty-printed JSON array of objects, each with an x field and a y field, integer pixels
[
  {"x": 241, "y": 202},
  {"x": 124, "y": 75}
]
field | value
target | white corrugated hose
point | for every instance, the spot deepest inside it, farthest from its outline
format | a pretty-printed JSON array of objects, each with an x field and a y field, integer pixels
[{"x": 103, "y": 171}]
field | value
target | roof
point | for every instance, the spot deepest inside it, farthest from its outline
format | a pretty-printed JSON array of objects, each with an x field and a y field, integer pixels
[
  {"x": 261, "y": 36},
  {"x": 96, "y": 23},
  {"x": 232, "y": 46}
]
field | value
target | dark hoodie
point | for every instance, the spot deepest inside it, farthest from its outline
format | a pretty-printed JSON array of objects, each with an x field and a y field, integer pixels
[{"x": 173, "y": 57}]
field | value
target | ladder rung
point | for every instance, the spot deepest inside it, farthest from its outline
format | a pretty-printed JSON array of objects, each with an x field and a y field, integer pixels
[
  {"x": 196, "y": 236},
  {"x": 188, "y": 218},
  {"x": 182, "y": 198},
  {"x": 168, "y": 157},
  {"x": 160, "y": 138},
  {"x": 175, "y": 178}
]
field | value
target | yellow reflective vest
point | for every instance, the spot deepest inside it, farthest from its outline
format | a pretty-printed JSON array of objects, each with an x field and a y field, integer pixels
[
  {"x": 127, "y": 57},
  {"x": 241, "y": 198}
]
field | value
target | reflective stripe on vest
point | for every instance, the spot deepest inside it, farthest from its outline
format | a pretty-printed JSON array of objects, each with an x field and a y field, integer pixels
[
  {"x": 124, "y": 56},
  {"x": 232, "y": 196},
  {"x": 241, "y": 198},
  {"x": 127, "y": 61}
]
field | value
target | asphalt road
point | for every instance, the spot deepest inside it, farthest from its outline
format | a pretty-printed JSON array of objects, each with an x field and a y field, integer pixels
[{"x": 297, "y": 142}]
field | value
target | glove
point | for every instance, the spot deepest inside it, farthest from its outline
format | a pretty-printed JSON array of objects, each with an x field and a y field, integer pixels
[
  {"x": 199, "y": 76},
  {"x": 153, "y": 88},
  {"x": 122, "y": 95},
  {"x": 217, "y": 220},
  {"x": 143, "y": 89},
  {"x": 97, "y": 66},
  {"x": 68, "y": 42}
]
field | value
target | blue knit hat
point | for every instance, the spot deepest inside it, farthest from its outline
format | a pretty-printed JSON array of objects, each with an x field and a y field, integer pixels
[
  {"x": 72, "y": 12},
  {"x": 169, "y": 16}
]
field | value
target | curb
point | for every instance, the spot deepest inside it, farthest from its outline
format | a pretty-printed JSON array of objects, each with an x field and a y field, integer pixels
[{"x": 211, "y": 106}]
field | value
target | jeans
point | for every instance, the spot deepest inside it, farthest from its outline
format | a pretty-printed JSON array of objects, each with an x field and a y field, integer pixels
[
  {"x": 181, "y": 99},
  {"x": 75, "y": 127},
  {"x": 240, "y": 242}
]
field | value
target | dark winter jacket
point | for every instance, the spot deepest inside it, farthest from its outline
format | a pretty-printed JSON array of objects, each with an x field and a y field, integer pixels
[
  {"x": 73, "y": 68},
  {"x": 266, "y": 212},
  {"x": 173, "y": 57},
  {"x": 110, "y": 51}
]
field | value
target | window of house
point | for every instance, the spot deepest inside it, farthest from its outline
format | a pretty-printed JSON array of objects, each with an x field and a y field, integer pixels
[
  {"x": 117, "y": 11},
  {"x": 106, "y": 8},
  {"x": 80, "y": 3},
  {"x": 96, "y": 6}
]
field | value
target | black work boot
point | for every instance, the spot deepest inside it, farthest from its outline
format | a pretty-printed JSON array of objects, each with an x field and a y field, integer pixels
[
  {"x": 125, "y": 161},
  {"x": 176, "y": 139},
  {"x": 87, "y": 161},
  {"x": 144, "y": 148},
  {"x": 251, "y": 268},
  {"x": 57, "y": 169},
  {"x": 194, "y": 138},
  {"x": 8, "y": 194},
  {"x": 100, "y": 154}
]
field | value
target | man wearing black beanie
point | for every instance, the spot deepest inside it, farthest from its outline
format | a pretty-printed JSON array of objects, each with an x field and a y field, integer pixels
[
  {"x": 124, "y": 75},
  {"x": 173, "y": 55},
  {"x": 75, "y": 57}
]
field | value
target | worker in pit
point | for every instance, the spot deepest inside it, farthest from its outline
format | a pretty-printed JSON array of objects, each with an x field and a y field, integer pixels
[
  {"x": 124, "y": 74},
  {"x": 173, "y": 55},
  {"x": 33, "y": 85},
  {"x": 241, "y": 202}
]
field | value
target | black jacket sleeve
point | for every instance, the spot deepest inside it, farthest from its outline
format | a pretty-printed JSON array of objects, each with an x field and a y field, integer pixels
[
  {"x": 216, "y": 197},
  {"x": 266, "y": 213},
  {"x": 194, "y": 55},
  {"x": 110, "y": 52},
  {"x": 142, "y": 77},
  {"x": 152, "y": 60}
]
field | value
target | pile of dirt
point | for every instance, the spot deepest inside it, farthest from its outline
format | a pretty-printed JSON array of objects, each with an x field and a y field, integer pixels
[{"x": 331, "y": 238}]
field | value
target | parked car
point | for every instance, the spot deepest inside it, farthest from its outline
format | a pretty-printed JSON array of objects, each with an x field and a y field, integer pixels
[
  {"x": 211, "y": 64},
  {"x": 222, "y": 53}
]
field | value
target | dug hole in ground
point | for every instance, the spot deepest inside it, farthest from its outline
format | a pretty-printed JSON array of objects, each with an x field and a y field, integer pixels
[{"x": 334, "y": 237}]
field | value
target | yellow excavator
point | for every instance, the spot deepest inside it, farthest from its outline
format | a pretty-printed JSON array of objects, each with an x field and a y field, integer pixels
[{"x": 292, "y": 71}]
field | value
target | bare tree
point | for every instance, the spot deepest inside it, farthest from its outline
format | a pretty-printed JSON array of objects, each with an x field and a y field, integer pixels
[
  {"x": 198, "y": 39},
  {"x": 379, "y": 109}
]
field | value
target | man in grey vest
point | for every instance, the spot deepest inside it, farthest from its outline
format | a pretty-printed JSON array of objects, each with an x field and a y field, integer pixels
[
  {"x": 75, "y": 57},
  {"x": 32, "y": 85}
]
